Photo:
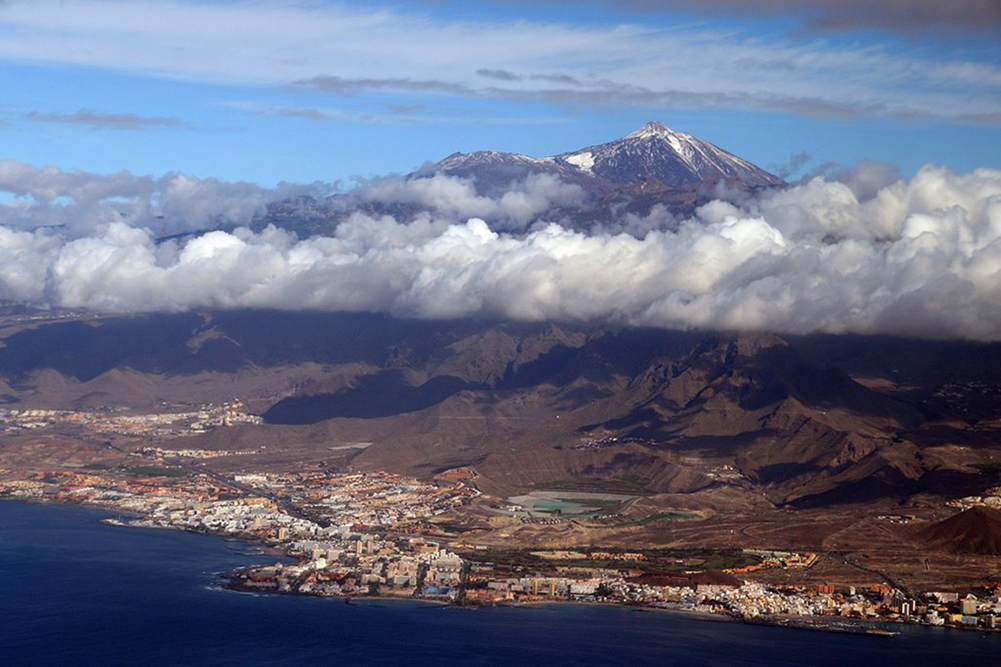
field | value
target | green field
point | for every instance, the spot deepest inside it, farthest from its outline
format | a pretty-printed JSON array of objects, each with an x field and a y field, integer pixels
[{"x": 626, "y": 485}]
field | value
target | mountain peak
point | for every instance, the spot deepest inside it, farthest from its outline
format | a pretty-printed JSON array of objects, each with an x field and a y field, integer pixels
[
  {"x": 675, "y": 159},
  {"x": 652, "y": 153},
  {"x": 652, "y": 129}
]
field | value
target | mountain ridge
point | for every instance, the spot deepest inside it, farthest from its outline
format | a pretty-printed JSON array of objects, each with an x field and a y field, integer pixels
[
  {"x": 649, "y": 167},
  {"x": 651, "y": 152},
  {"x": 766, "y": 418}
]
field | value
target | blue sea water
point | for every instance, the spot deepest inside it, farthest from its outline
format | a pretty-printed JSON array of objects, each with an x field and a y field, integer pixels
[{"x": 74, "y": 591}]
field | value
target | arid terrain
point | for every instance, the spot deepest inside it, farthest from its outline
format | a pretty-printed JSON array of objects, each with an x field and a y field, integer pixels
[{"x": 849, "y": 447}]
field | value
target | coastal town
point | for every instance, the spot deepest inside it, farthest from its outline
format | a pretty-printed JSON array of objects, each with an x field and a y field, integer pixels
[
  {"x": 355, "y": 534},
  {"x": 185, "y": 421}
]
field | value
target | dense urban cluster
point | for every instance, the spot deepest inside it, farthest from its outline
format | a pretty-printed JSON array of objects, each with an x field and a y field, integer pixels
[
  {"x": 118, "y": 422},
  {"x": 758, "y": 602},
  {"x": 326, "y": 521},
  {"x": 367, "y": 534}
]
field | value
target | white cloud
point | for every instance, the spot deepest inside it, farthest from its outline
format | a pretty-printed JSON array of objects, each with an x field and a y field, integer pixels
[
  {"x": 457, "y": 197},
  {"x": 169, "y": 204},
  {"x": 916, "y": 258}
]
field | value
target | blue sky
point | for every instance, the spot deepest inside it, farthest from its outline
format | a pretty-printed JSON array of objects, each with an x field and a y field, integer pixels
[{"x": 306, "y": 91}]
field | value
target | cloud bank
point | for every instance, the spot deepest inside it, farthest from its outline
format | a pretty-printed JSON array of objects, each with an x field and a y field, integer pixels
[
  {"x": 861, "y": 252},
  {"x": 79, "y": 202},
  {"x": 457, "y": 199}
]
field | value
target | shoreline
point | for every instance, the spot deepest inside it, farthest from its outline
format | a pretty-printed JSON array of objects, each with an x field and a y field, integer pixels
[
  {"x": 348, "y": 599},
  {"x": 814, "y": 623},
  {"x": 246, "y": 628}
]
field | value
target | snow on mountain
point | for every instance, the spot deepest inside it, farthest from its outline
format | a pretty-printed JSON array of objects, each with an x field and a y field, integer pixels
[
  {"x": 673, "y": 158},
  {"x": 653, "y": 166},
  {"x": 479, "y": 158},
  {"x": 653, "y": 152},
  {"x": 583, "y": 160}
]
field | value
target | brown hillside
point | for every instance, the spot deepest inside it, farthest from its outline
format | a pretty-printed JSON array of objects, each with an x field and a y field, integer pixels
[{"x": 976, "y": 530}]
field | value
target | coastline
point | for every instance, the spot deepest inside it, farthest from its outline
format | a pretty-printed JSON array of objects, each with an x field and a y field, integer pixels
[
  {"x": 815, "y": 623},
  {"x": 172, "y": 592}
]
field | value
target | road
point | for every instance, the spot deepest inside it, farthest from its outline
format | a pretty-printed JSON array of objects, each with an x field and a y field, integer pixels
[
  {"x": 838, "y": 555},
  {"x": 284, "y": 504}
]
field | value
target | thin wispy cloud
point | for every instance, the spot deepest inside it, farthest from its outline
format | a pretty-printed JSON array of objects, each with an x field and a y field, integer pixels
[
  {"x": 391, "y": 114},
  {"x": 605, "y": 93},
  {"x": 97, "y": 120},
  {"x": 282, "y": 111},
  {"x": 339, "y": 85},
  {"x": 610, "y": 95},
  {"x": 499, "y": 74},
  {"x": 352, "y": 51}
]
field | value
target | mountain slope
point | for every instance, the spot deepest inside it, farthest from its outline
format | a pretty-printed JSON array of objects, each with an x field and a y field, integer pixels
[
  {"x": 976, "y": 530},
  {"x": 656, "y": 152},
  {"x": 754, "y": 416},
  {"x": 652, "y": 166},
  {"x": 653, "y": 154}
]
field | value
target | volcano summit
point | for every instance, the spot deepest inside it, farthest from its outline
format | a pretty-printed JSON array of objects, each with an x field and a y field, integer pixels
[{"x": 652, "y": 156}]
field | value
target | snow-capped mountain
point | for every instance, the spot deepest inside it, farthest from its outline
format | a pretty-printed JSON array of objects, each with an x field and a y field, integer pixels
[
  {"x": 493, "y": 171},
  {"x": 651, "y": 167},
  {"x": 654, "y": 152},
  {"x": 459, "y": 161},
  {"x": 674, "y": 158}
]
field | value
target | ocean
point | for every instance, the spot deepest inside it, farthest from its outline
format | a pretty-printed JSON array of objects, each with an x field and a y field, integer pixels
[{"x": 75, "y": 591}]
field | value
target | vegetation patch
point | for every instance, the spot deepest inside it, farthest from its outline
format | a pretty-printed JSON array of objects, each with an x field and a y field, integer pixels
[
  {"x": 625, "y": 485},
  {"x": 644, "y": 560}
]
